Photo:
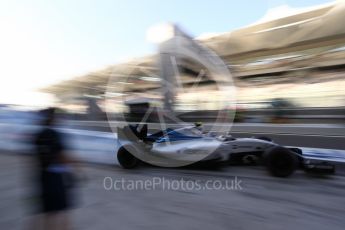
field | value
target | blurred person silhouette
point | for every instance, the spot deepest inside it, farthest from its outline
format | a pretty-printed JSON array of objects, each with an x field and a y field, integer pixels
[{"x": 54, "y": 175}]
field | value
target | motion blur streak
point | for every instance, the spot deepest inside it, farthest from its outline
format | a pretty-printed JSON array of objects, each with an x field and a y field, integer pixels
[{"x": 288, "y": 72}]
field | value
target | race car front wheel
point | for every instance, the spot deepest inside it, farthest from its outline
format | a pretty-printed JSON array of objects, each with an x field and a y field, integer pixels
[
  {"x": 126, "y": 159},
  {"x": 280, "y": 162}
]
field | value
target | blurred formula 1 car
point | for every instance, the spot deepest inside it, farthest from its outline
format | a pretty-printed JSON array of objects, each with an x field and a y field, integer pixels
[{"x": 279, "y": 160}]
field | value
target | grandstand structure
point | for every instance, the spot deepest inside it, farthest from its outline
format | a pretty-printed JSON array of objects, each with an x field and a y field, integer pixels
[{"x": 300, "y": 57}]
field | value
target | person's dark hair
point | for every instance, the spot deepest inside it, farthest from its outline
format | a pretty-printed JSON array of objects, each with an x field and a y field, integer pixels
[{"x": 48, "y": 116}]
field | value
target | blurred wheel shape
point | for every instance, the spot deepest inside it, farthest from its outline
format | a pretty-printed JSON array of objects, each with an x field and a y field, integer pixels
[
  {"x": 126, "y": 159},
  {"x": 280, "y": 161}
]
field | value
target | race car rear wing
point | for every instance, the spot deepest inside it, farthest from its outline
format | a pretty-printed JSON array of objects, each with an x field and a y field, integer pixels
[{"x": 131, "y": 133}]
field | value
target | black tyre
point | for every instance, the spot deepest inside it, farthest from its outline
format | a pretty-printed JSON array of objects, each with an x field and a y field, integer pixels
[
  {"x": 126, "y": 159},
  {"x": 280, "y": 162}
]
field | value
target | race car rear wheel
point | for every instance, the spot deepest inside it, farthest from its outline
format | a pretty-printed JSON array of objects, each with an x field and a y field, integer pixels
[
  {"x": 126, "y": 159},
  {"x": 280, "y": 162}
]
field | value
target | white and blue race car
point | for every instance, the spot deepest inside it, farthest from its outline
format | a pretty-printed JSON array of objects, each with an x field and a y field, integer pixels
[{"x": 190, "y": 146}]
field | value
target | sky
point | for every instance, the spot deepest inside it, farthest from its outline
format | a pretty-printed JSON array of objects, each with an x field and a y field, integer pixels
[{"x": 45, "y": 41}]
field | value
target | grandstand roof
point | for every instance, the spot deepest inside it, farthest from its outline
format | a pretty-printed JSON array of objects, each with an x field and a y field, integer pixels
[{"x": 307, "y": 32}]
